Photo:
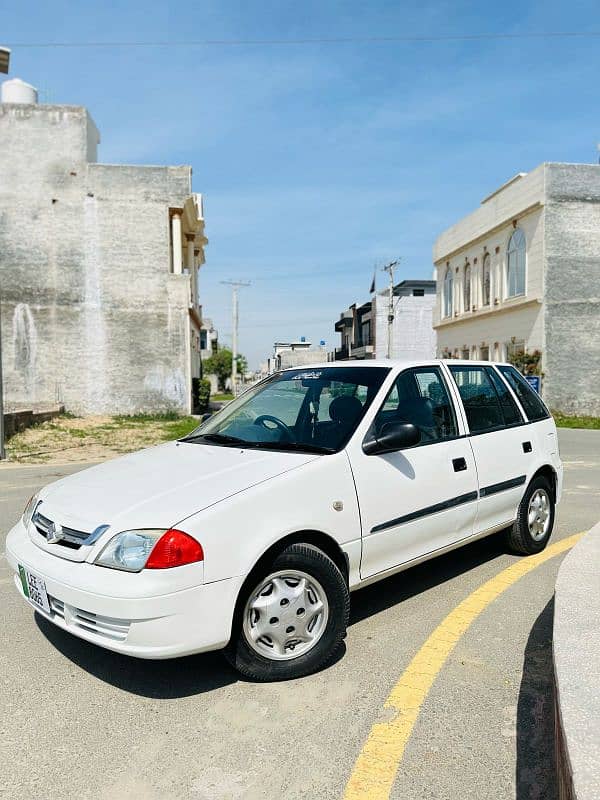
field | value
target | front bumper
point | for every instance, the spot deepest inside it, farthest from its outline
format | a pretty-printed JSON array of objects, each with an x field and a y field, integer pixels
[{"x": 138, "y": 614}]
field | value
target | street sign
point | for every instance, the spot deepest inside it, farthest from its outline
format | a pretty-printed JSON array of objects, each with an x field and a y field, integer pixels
[{"x": 535, "y": 382}]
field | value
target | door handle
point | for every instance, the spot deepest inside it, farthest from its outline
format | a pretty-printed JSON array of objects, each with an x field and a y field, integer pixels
[
  {"x": 459, "y": 464},
  {"x": 527, "y": 447}
]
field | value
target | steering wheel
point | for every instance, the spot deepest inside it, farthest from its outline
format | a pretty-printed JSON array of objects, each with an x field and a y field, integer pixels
[{"x": 263, "y": 418}]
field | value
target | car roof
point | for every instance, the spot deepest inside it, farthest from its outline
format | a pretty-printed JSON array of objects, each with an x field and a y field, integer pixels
[{"x": 392, "y": 362}]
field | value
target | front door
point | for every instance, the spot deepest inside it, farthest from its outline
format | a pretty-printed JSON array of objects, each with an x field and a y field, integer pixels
[{"x": 423, "y": 498}]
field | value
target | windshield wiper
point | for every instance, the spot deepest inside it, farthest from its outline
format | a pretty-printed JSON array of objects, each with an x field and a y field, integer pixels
[
  {"x": 225, "y": 439},
  {"x": 294, "y": 447},
  {"x": 217, "y": 438}
]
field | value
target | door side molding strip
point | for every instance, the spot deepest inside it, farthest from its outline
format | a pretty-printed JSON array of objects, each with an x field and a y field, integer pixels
[
  {"x": 503, "y": 486},
  {"x": 425, "y": 512}
]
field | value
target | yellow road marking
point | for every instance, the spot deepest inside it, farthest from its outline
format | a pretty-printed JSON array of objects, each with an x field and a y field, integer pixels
[{"x": 377, "y": 764}]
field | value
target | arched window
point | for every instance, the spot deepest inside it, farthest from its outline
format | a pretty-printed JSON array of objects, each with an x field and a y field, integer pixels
[
  {"x": 448, "y": 289},
  {"x": 515, "y": 264},
  {"x": 486, "y": 280},
  {"x": 467, "y": 288}
]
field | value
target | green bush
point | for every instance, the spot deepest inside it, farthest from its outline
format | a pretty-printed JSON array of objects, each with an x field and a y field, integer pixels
[{"x": 200, "y": 395}]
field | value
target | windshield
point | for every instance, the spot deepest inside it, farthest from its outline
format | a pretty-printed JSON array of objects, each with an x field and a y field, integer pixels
[{"x": 311, "y": 410}]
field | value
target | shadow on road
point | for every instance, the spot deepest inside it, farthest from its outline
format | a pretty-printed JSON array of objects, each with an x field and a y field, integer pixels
[
  {"x": 183, "y": 677},
  {"x": 389, "y": 592},
  {"x": 164, "y": 680},
  {"x": 536, "y": 768}
]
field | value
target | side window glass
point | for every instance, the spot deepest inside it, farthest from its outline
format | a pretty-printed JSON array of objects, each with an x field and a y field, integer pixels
[
  {"x": 420, "y": 396},
  {"x": 479, "y": 397},
  {"x": 511, "y": 412},
  {"x": 528, "y": 397}
]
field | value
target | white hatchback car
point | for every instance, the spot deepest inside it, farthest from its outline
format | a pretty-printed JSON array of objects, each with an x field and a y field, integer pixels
[{"x": 250, "y": 533}]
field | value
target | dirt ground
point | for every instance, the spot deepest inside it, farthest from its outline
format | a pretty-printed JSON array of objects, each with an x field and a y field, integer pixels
[{"x": 77, "y": 439}]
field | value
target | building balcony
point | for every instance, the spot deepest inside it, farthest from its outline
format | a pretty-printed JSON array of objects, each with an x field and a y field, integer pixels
[
  {"x": 345, "y": 320},
  {"x": 363, "y": 351},
  {"x": 358, "y": 351}
]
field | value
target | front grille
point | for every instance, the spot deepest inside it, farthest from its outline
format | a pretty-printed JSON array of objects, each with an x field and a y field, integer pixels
[
  {"x": 70, "y": 537},
  {"x": 57, "y": 607},
  {"x": 107, "y": 627}
]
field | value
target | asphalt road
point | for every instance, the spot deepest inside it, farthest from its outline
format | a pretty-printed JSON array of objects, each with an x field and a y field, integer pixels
[{"x": 80, "y": 722}]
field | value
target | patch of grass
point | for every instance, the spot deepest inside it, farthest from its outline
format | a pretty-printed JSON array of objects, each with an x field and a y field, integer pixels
[
  {"x": 68, "y": 438},
  {"x": 180, "y": 427},
  {"x": 221, "y": 397},
  {"x": 567, "y": 421}
]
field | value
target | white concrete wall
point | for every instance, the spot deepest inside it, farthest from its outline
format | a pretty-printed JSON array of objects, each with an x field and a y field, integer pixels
[
  {"x": 494, "y": 331},
  {"x": 91, "y": 315},
  {"x": 413, "y": 336}
]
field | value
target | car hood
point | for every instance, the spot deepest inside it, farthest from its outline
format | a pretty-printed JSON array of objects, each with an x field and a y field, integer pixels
[{"x": 160, "y": 486}]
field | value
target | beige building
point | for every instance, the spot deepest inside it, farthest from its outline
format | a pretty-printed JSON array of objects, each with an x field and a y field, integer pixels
[{"x": 521, "y": 275}]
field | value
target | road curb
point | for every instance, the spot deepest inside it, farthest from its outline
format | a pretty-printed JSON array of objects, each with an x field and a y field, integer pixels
[{"x": 576, "y": 656}]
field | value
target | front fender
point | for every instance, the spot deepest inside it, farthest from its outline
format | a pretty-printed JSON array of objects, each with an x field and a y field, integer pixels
[{"x": 235, "y": 533}]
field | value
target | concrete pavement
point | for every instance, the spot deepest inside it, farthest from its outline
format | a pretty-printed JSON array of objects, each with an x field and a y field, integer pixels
[{"x": 81, "y": 722}]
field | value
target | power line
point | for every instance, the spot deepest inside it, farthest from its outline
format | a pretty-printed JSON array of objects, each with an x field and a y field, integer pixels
[{"x": 411, "y": 39}]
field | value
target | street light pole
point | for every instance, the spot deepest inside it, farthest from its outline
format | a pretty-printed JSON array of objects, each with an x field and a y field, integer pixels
[{"x": 235, "y": 285}]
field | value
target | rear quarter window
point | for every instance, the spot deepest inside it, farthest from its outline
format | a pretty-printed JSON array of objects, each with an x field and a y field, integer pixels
[{"x": 528, "y": 397}]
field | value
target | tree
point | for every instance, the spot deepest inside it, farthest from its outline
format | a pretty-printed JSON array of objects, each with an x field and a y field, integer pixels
[{"x": 219, "y": 364}]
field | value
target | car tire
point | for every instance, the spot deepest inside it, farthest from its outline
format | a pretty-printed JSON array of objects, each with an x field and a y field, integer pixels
[
  {"x": 300, "y": 588},
  {"x": 532, "y": 528}
]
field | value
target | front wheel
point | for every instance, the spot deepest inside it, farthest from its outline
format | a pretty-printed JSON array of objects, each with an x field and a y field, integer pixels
[
  {"x": 291, "y": 619},
  {"x": 531, "y": 530}
]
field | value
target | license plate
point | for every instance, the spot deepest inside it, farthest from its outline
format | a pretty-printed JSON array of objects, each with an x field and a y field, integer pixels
[{"x": 34, "y": 589}]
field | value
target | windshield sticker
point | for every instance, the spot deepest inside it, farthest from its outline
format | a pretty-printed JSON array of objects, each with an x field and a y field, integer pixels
[{"x": 308, "y": 376}]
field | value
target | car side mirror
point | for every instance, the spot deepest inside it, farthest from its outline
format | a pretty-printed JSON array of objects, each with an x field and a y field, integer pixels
[
  {"x": 392, "y": 436},
  {"x": 206, "y": 416}
]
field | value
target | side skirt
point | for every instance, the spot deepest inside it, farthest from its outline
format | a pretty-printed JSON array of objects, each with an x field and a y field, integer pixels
[{"x": 379, "y": 576}]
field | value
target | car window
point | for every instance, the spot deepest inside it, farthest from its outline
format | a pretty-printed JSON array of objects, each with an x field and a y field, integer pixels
[
  {"x": 510, "y": 410},
  {"x": 283, "y": 400},
  {"x": 338, "y": 389},
  {"x": 316, "y": 408},
  {"x": 420, "y": 396},
  {"x": 528, "y": 397},
  {"x": 485, "y": 408}
]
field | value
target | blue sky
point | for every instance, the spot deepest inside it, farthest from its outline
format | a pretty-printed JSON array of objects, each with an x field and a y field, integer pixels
[{"x": 319, "y": 161}]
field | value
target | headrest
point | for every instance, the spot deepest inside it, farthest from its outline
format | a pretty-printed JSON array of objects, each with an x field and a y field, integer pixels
[
  {"x": 345, "y": 408},
  {"x": 419, "y": 410}
]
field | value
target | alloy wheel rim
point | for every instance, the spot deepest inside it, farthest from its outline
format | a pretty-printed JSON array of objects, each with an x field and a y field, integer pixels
[
  {"x": 285, "y": 615},
  {"x": 538, "y": 514}
]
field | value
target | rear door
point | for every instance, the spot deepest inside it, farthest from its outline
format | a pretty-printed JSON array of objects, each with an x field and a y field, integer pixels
[
  {"x": 419, "y": 499},
  {"x": 500, "y": 440}
]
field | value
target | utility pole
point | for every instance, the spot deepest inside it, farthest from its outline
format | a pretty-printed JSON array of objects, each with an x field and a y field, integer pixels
[
  {"x": 4, "y": 64},
  {"x": 389, "y": 268},
  {"x": 235, "y": 285}
]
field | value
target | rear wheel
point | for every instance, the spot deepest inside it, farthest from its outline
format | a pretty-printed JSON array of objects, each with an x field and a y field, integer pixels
[
  {"x": 292, "y": 619},
  {"x": 535, "y": 519}
]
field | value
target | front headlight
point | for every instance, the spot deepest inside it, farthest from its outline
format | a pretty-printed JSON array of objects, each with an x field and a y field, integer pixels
[
  {"x": 29, "y": 509},
  {"x": 129, "y": 550},
  {"x": 151, "y": 548}
]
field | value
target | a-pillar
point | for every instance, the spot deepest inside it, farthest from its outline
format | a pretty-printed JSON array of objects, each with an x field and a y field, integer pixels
[{"x": 176, "y": 240}]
